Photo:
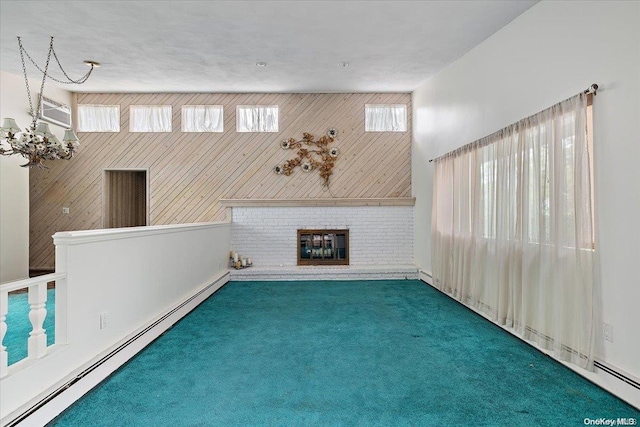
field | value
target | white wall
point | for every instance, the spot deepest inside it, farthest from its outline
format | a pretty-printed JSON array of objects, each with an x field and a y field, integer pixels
[
  {"x": 377, "y": 234},
  {"x": 14, "y": 188},
  {"x": 14, "y": 180},
  {"x": 549, "y": 53},
  {"x": 134, "y": 275}
]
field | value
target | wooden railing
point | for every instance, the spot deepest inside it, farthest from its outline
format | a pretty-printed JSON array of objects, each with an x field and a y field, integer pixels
[{"x": 37, "y": 340}]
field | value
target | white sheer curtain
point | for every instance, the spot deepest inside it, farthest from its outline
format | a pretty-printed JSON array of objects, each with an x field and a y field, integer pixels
[
  {"x": 385, "y": 118},
  {"x": 257, "y": 118},
  {"x": 202, "y": 118},
  {"x": 150, "y": 118},
  {"x": 98, "y": 118},
  {"x": 512, "y": 229}
]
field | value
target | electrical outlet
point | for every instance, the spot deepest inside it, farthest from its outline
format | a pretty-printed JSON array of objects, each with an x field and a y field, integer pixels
[
  {"x": 103, "y": 320},
  {"x": 607, "y": 331},
  {"x": 65, "y": 210}
]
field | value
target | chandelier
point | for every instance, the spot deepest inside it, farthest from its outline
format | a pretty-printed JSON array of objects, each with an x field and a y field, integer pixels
[{"x": 37, "y": 143}]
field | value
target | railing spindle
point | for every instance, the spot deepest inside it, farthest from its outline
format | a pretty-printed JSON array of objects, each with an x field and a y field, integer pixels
[
  {"x": 37, "y": 298},
  {"x": 37, "y": 314}
]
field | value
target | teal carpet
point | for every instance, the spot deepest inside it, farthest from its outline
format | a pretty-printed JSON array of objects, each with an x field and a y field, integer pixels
[
  {"x": 19, "y": 326},
  {"x": 353, "y": 353}
]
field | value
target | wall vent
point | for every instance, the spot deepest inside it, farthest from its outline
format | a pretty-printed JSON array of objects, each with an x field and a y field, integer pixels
[{"x": 56, "y": 113}]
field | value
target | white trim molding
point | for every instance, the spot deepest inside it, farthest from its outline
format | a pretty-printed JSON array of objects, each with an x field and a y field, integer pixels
[{"x": 339, "y": 202}]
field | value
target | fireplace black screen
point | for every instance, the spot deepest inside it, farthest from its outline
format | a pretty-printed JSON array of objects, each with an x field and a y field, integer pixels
[{"x": 323, "y": 247}]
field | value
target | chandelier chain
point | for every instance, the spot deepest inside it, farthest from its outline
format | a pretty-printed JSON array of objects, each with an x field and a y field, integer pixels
[
  {"x": 26, "y": 80},
  {"x": 69, "y": 79},
  {"x": 34, "y": 113}
]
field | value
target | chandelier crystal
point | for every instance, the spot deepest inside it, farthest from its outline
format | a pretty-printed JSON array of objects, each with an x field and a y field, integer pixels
[{"x": 37, "y": 143}]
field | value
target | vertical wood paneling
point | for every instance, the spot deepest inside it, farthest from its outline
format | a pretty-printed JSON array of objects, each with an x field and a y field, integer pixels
[{"x": 190, "y": 172}]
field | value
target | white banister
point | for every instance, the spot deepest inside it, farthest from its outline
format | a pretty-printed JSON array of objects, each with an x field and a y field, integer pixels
[
  {"x": 37, "y": 341},
  {"x": 25, "y": 283},
  {"x": 161, "y": 271},
  {"x": 37, "y": 313},
  {"x": 111, "y": 234}
]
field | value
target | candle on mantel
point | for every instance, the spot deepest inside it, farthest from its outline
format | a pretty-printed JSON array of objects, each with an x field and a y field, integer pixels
[
  {"x": 249, "y": 261},
  {"x": 244, "y": 262},
  {"x": 235, "y": 257}
]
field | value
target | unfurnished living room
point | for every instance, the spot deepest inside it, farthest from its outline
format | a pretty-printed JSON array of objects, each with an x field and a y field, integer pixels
[{"x": 371, "y": 213}]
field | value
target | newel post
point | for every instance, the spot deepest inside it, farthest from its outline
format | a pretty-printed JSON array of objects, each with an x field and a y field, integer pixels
[
  {"x": 62, "y": 255},
  {"x": 37, "y": 337}
]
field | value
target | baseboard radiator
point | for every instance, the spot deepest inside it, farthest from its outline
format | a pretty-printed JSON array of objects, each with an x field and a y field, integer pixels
[
  {"x": 108, "y": 356},
  {"x": 633, "y": 382},
  {"x": 611, "y": 370}
]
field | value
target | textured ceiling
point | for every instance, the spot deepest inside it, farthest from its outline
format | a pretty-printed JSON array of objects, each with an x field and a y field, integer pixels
[{"x": 213, "y": 46}]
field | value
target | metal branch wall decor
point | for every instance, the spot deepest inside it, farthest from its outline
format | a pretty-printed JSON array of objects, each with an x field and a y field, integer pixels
[{"x": 321, "y": 158}]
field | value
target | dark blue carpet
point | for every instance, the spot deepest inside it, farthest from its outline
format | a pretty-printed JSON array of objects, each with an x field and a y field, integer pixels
[
  {"x": 19, "y": 326},
  {"x": 369, "y": 353}
]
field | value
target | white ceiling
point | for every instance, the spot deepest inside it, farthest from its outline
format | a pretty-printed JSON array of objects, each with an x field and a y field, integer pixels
[{"x": 213, "y": 46}]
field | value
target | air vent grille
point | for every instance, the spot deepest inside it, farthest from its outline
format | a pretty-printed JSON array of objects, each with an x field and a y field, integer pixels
[{"x": 55, "y": 112}]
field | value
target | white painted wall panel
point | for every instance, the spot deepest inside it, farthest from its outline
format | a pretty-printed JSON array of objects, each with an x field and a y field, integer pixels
[{"x": 547, "y": 54}]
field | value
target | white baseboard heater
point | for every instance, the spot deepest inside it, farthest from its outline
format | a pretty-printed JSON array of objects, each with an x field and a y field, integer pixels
[
  {"x": 619, "y": 375},
  {"x": 38, "y": 405}
]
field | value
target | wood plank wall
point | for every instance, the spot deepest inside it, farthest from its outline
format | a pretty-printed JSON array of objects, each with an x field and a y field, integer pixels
[{"x": 191, "y": 172}]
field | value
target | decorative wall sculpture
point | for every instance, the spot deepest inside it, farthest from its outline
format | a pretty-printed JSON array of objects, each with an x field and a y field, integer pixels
[{"x": 322, "y": 158}]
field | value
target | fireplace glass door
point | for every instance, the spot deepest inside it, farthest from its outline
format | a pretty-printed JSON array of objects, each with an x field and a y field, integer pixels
[{"x": 323, "y": 247}]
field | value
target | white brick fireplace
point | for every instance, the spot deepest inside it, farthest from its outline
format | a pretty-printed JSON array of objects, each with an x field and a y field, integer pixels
[{"x": 380, "y": 238}]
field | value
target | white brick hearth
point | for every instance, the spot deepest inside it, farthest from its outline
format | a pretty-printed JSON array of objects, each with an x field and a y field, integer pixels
[
  {"x": 380, "y": 241},
  {"x": 338, "y": 272}
]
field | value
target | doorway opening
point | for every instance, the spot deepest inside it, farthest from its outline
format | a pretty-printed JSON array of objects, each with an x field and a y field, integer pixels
[{"x": 125, "y": 198}]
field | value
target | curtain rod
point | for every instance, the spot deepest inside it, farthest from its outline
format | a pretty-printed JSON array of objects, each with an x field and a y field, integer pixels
[{"x": 590, "y": 90}]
